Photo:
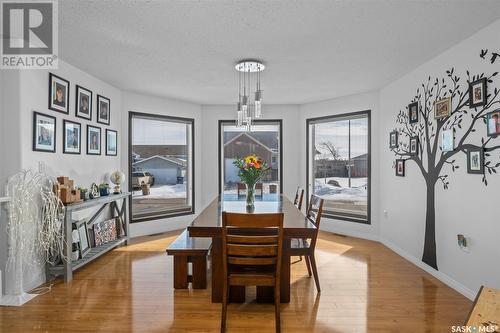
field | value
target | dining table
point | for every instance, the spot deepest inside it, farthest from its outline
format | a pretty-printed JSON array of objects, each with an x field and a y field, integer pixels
[{"x": 209, "y": 224}]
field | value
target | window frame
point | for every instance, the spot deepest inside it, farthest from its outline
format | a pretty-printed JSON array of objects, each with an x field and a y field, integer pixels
[
  {"x": 325, "y": 119},
  {"x": 279, "y": 122},
  {"x": 160, "y": 216}
]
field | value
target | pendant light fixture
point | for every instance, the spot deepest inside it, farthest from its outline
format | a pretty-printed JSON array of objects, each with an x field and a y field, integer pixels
[{"x": 248, "y": 109}]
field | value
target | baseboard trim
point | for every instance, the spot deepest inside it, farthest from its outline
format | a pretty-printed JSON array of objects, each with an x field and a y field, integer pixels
[
  {"x": 437, "y": 274},
  {"x": 351, "y": 233}
]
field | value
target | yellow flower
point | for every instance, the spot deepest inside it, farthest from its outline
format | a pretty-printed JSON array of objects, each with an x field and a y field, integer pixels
[{"x": 250, "y": 159}]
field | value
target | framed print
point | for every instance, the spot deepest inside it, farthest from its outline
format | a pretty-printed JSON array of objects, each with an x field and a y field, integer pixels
[
  {"x": 103, "y": 110},
  {"x": 448, "y": 140},
  {"x": 393, "y": 139},
  {"x": 58, "y": 94},
  {"x": 104, "y": 232},
  {"x": 442, "y": 108},
  {"x": 413, "y": 113},
  {"x": 93, "y": 140},
  {"x": 414, "y": 145},
  {"x": 72, "y": 135},
  {"x": 477, "y": 93},
  {"x": 475, "y": 161},
  {"x": 111, "y": 142},
  {"x": 83, "y": 105},
  {"x": 44, "y": 132},
  {"x": 493, "y": 123},
  {"x": 83, "y": 238},
  {"x": 400, "y": 168}
]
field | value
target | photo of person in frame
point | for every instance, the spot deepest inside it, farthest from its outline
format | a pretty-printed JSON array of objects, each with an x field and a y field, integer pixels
[
  {"x": 493, "y": 123},
  {"x": 103, "y": 110},
  {"x": 94, "y": 141},
  {"x": 59, "y": 97},
  {"x": 46, "y": 133},
  {"x": 84, "y": 104}
]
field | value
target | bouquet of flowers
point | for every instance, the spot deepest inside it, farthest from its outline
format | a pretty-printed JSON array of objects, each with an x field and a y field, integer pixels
[{"x": 251, "y": 171}]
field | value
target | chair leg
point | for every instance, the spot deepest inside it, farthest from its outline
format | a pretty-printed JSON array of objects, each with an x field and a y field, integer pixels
[
  {"x": 277, "y": 303},
  {"x": 225, "y": 296},
  {"x": 308, "y": 264},
  {"x": 315, "y": 271},
  {"x": 296, "y": 261}
]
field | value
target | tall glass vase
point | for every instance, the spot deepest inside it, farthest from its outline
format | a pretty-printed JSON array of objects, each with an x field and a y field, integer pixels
[{"x": 250, "y": 196}]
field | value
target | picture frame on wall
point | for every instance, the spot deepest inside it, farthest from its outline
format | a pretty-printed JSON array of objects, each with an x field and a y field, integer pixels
[
  {"x": 493, "y": 123},
  {"x": 413, "y": 113},
  {"x": 72, "y": 137},
  {"x": 44, "y": 132},
  {"x": 93, "y": 140},
  {"x": 442, "y": 108},
  {"x": 103, "y": 110},
  {"x": 400, "y": 168},
  {"x": 58, "y": 94},
  {"x": 448, "y": 140},
  {"x": 83, "y": 237},
  {"x": 111, "y": 142},
  {"x": 414, "y": 145},
  {"x": 83, "y": 103},
  {"x": 393, "y": 139},
  {"x": 475, "y": 161},
  {"x": 477, "y": 93}
]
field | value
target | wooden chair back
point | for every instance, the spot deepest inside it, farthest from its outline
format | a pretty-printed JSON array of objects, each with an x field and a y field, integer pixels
[
  {"x": 299, "y": 197},
  {"x": 313, "y": 214}
]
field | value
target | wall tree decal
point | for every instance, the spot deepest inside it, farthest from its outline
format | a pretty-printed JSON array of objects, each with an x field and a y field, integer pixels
[{"x": 431, "y": 160}]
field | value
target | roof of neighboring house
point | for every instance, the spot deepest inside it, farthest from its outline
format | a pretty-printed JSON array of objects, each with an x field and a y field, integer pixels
[
  {"x": 173, "y": 160},
  {"x": 251, "y": 137},
  {"x": 361, "y": 157},
  {"x": 146, "y": 151},
  {"x": 268, "y": 139}
]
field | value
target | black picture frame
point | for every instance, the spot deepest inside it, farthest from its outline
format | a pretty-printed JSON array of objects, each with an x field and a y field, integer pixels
[
  {"x": 65, "y": 148},
  {"x": 393, "y": 143},
  {"x": 36, "y": 146},
  {"x": 400, "y": 172},
  {"x": 414, "y": 143},
  {"x": 78, "y": 90},
  {"x": 481, "y": 84},
  {"x": 53, "y": 105},
  {"x": 413, "y": 107},
  {"x": 108, "y": 131},
  {"x": 100, "y": 119},
  {"x": 94, "y": 151},
  {"x": 493, "y": 119},
  {"x": 472, "y": 169}
]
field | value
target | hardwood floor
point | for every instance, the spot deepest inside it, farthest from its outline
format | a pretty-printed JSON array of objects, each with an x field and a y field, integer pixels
[{"x": 365, "y": 288}]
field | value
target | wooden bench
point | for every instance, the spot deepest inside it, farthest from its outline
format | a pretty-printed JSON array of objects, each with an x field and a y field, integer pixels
[{"x": 192, "y": 250}]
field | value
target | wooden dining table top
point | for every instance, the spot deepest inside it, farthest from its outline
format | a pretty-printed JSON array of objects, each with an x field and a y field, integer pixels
[{"x": 209, "y": 222}]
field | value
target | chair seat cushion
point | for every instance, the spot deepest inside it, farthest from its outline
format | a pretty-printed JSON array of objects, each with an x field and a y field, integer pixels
[{"x": 299, "y": 243}]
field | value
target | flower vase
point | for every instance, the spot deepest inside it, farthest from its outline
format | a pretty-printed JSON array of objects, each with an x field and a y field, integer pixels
[{"x": 250, "y": 196}]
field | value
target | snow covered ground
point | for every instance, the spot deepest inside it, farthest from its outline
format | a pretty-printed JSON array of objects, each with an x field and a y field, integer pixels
[
  {"x": 356, "y": 193},
  {"x": 163, "y": 191}
]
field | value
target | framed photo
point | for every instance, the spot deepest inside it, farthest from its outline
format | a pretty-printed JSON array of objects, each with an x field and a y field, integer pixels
[
  {"x": 475, "y": 161},
  {"x": 72, "y": 137},
  {"x": 448, "y": 140},
  {"x": 493, "y": 123},
  {"x": 413, "y": 113},
  {"x": 44, "y": 132},
  {"x": 414, "y": 145},
  {"x": 393, "y": 139},
  {"x": 442, "y": 108},
  {"x": 477, "y": 93},
  {"x": 83, "y": 105},
  {"x": 58, "y": 94},
  {"x": 104, "y": 232},
  {"x": 83, "y": 238},
  {"x": 93, "y": 140},
  {"x": 103, "y": 110},
  {"x": 400, "y": 168},
  {"x": 111, "y": 142}
]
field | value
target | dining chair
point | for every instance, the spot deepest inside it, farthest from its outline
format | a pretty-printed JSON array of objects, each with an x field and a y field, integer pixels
[
  {"x": 299, "y": 196},
  {"x": 302, "y": 247},
  {"x": 251, "y": 252}
]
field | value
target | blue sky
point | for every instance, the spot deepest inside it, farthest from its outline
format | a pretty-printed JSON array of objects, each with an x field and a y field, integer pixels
[{"x": 157, "y": 132}]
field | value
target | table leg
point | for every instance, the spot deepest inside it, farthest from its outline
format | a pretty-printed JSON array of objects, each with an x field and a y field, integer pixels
[
  {"x": 68, "y": 247},
  {"x": 180, "y": 272},
  {"x": 285, "y": 271},
  {"x": 217, "y": 272}
]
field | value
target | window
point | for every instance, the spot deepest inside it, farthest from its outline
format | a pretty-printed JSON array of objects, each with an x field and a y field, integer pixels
[
  {"x": 264, "y": 140},
  {"x": 338, "y": 164},
  {"x": 161, "y": 151}
]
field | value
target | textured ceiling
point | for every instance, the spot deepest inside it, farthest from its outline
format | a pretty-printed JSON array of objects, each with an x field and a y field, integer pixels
[{"x": 314, "y": 50}]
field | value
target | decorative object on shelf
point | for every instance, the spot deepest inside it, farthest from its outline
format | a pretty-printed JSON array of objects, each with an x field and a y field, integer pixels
[
  {"x": 442, "y": 108},
  {"x": 94, "y": 191},
  {"x": 83, "y": 105},
  {"x": 65, "y": 190},
  {"x": 84, "y": 193},
  {"x": 93, "y": 140},
  {"x": 72, "y": 132},
  {"x": 400, "y": 168},
  {"x": 414, "y": 145},
  {"x": 111, "y": 142},
  {"x": 104, "y": 189},
  {"x": 393, "y": 139},
  {"x": 475, "y": 161},
  {"x": 104, "y": 232},
  {"x": 58, "y": 94},
  {"x": 251, "y": 170},
  {"x": 478, "y": 95},
  {"x": 44, "y": 132},
  {"x": 448, "y": 140},
  {"x": 117, "y": 178},
  {"x": 103, "y": 110},
  {"x": 246, "y": 107},
  {"x": 413, "y": 113},
  {"x": 83, "y": 237},
  {"x": 493, "y": 123}
]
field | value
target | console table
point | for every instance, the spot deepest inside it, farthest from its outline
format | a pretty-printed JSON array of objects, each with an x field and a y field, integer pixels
[{"x": 66, "y": 268}]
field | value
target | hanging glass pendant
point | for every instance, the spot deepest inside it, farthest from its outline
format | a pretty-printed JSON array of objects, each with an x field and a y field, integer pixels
[{"x": 248, "y": 109}]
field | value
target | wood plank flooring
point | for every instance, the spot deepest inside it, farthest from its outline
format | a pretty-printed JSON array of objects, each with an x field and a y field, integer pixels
[{"x": 365, "y": 288}]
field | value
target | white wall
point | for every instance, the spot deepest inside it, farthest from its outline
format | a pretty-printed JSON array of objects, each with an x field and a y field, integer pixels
[
  {"x": 468, "y": 207},
  {"x": 170, "y": 107},
  {"x": 348, "y": 104}
]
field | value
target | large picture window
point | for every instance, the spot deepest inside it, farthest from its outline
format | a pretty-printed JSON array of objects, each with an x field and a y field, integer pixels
[
  {"x": 338, "y": 164},
  {"x": 161, "y": 166},
  {"x": 264, "y": 140}
]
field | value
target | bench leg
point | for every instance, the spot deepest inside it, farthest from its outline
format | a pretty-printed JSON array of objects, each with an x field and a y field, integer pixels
[
  {"x": 180, "y": 272},
  {"x": 199, "y": 272}
]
